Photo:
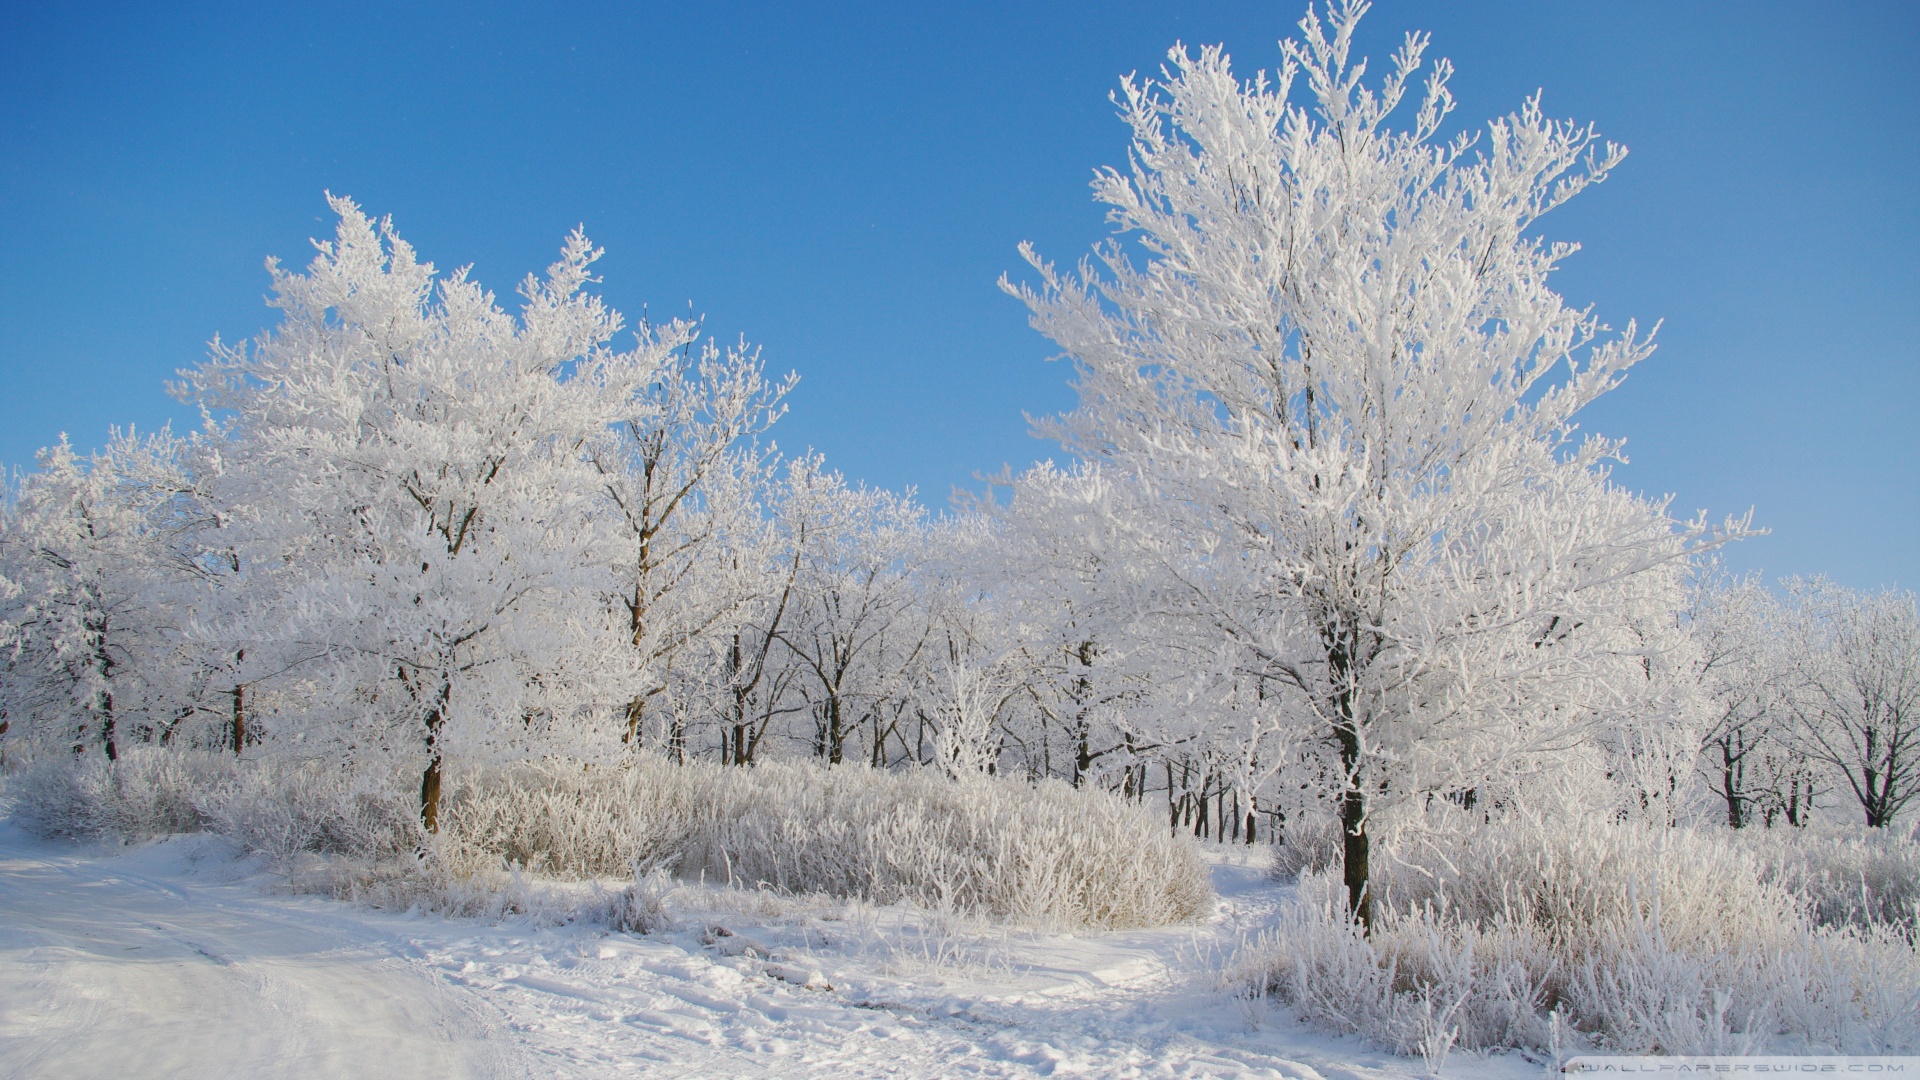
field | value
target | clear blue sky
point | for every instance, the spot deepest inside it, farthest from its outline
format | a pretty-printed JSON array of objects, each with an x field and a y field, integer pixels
[{"x": 844, "y": 186}]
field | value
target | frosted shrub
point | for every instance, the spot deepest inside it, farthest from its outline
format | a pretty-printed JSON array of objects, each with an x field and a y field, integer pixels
[
  {"x": 1639, "y": 939},
  {"x": 1042, "y": 854},
  {"x": 285, "y": 810},
  {"x": 150, "y": 791},
  {"x": 1847, "y": 877},
  {"x": 1045, "y": 854},
  {"x": 641, "y": 907},
  {"x": 1307, "y": 842}
]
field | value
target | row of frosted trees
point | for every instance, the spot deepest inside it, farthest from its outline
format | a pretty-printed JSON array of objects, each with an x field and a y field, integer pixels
[
  {"x": 1329, "y": 540},
  {"x": 1810, "y": 697}
]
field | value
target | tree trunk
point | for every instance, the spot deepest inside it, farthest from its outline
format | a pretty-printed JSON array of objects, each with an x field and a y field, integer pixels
[
  {"x": 1353, "y": 827},
  {"x": 677, "y": 738},
  {"x": 738, "y": 751},
  {"x": 836, "y": 738},
  {"x": 430, "y": 778},
  {"x": 635, "y": 712},
  {"x": 1082, "y": 756},
  {"x": 430, "y": 794},
  {"x": 239, "y": 707},
  {"x": 107, "y": 727},
  {"x": 239, "y": 716},
  {"x": 1730, "y": 784},
  {"x": 1353, "y": 801}
]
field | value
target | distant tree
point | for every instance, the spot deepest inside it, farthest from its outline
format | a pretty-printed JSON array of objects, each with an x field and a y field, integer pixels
[
  {"x": 1856, "y": 697},
  {"x": 1348, "y": 397},
  {"x": 858, "y": 630},
  {"x": 93, "y": 595},
  {"x": 685, "y": 484},
  {"x": 1734, "y": 625}
]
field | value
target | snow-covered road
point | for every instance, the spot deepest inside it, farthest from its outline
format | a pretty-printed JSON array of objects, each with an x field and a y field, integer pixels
[
  {"x": 175, "y": 960},
  {"x": 109, "y": 971}
]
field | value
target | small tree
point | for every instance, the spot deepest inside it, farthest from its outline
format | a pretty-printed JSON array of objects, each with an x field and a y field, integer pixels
[{"x": 1349, "y": 396}]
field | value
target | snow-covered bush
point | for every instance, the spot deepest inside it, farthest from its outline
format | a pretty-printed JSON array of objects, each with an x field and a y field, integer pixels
[
  {"x": 1844, "y": 876},
  {"x": 148, "y": 792},
  {"x": 640, "y": 907},
  {"x": 1628, "y": 937},
  {"x": 1307, "y": 842},
  {"x": 1045, "y": 854},
  {"x": 287, "y": 810}
]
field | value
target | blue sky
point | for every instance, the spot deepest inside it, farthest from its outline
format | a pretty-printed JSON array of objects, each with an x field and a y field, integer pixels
[{"x": 843, "y": 186}]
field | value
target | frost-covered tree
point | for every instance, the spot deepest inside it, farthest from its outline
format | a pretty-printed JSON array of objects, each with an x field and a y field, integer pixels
[
  {"x": 744, "y": 678},
  {"x": 1856, "y": 692},
  {"x": 1735, "y": 625},
  {"x": 685, "y": 482},
  {"x": 1141, "y": 700},
  {"x": 407, "y": 480},
  {"x": 857, "y": 629},
  {"x": 95, "y": 588},
  {"x": 1046, "y": 601},
  {"x": 1348, "y": 397}
]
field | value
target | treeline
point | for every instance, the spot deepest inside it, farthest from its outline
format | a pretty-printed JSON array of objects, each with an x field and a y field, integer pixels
[
  {"x": 418, "y": 531},
  {"x": 1329, "y": 546}
]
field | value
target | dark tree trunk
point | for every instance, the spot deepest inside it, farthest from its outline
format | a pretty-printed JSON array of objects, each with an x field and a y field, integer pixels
[
  {"x": 239, "y": 707},
  {"x": 430, "y": 794},
  {"x": 1353, "y": 801},
  {"x": 107, "y": 733},
  {"x": 1082, "y": 691},
  {"x": 430, "y": 778},
  {"x": 836, "y": 736},
  {"x": 737, "y": 752},
  {"x": 1353, "y": 826},
  {"x": 1730, "y": 784},
  {"x": 239, "y": 716}
]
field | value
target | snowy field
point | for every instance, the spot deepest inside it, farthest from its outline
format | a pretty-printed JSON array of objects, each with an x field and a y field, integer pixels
[{"x": 177, "y": 959}]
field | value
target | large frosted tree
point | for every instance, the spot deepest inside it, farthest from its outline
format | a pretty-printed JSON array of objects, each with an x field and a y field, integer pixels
[
  {"x": 408, "y": 490},
  {"x": 1347, "y": 396}
]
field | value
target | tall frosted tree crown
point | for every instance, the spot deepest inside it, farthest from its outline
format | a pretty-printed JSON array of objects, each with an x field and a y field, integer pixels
[
  {"x": 1321, "y": 279},
  {"x": 1342, "y": 396}
]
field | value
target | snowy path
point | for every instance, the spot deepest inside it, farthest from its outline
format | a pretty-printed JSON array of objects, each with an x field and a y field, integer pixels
[
  {"x": 172, "y": 960},
  {"x": 110, "y": 972}
]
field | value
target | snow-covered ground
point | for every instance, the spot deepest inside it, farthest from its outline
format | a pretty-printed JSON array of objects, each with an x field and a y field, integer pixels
[{"x": 177, "y": 959}]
